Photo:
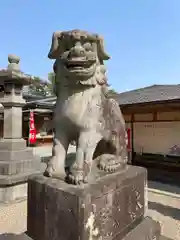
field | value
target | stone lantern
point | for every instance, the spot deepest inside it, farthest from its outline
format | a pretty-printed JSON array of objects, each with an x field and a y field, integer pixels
[{"x": 17, "y": 162}]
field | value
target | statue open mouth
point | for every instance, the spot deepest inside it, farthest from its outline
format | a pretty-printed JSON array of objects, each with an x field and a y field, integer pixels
[{"x": 79, "y": 65}]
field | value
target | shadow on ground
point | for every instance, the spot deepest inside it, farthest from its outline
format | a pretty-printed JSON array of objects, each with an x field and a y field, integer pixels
[
  {"x": 164, "y": 176},
  {"x": 11, "y": 236},
  {"x": 164, "y": 187},
  {"x": 165, "y": 210}
]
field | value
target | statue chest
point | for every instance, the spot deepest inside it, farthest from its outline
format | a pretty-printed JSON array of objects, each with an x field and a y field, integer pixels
[{"x": 83, "y": 108}]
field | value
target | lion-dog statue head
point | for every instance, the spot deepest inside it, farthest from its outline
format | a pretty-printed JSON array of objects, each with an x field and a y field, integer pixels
[{"x": 79, "y": 55}]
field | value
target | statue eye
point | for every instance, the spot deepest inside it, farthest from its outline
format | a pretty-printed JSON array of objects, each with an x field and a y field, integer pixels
[
  {"x": 87, "y": 46},
  {"x": 68, "y": 45}
]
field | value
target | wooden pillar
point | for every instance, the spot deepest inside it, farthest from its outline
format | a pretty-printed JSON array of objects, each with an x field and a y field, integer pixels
[{"x": 132, "y": 139}]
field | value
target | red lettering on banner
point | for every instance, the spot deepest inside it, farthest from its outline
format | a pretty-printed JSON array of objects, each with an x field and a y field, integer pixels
[
  {"x": 32, "y": 129},
  {"x": 32, "y": 125}
]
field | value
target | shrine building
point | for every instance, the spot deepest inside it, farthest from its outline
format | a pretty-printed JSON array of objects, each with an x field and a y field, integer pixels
[{"x": 152, "y": 116}]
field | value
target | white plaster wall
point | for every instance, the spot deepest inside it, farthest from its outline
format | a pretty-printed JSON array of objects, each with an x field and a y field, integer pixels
[{"x": 156, "y": 137}]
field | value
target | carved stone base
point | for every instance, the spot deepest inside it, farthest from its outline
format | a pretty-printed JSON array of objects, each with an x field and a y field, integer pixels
[{"x": 112, "y": 207}]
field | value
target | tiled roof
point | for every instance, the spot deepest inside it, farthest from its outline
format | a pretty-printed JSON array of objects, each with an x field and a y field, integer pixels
[
  {"x": 27, "y": 94},
  {"x": 25, "y": 91},
  {"x": 154, "y": 93},
  {"x": 47, "y": 102},
  {"x": 148, "y": 94}
]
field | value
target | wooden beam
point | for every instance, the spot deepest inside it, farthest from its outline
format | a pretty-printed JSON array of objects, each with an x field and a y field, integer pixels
[
  {"x": 132, "y": 117},
  {"x": 151, "y": 108},
  {"x": 154, "y": 116}
]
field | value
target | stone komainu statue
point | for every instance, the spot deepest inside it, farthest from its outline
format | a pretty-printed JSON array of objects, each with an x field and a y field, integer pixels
[{"x": 83, "y": 113}]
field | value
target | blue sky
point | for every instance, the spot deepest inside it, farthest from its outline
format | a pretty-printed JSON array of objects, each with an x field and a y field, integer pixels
[{"x": 142, "y": 36}]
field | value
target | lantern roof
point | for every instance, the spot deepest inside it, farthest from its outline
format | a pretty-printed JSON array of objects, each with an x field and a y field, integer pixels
[{"x": 13, "y": 72}]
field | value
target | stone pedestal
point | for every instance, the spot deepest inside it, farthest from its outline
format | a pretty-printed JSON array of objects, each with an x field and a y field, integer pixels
[
  {"x": 110, "y": 207},
  {"x": 17, "y": 161}
]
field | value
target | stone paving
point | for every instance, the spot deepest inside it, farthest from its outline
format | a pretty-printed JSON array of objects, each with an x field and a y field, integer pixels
[
  {"x": 164, "y": 206},
  {"x": 13, "y": 218},
  {"x": 166, "y": 210}
]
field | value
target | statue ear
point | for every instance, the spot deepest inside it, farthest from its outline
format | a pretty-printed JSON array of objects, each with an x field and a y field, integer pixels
[
  {"x": 100, "y": 49},
  {"x": 56, "y": 46}
]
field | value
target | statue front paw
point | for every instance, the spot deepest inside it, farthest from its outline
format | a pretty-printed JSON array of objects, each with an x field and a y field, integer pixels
[
  {"x": 75, "y": 177},
  {"x": 49, "y": 171}
]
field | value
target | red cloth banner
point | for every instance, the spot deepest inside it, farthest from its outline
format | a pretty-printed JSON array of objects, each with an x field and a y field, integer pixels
[
  {"x": 32, "y": 129},
  {"x": 129, "y": 138}
]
